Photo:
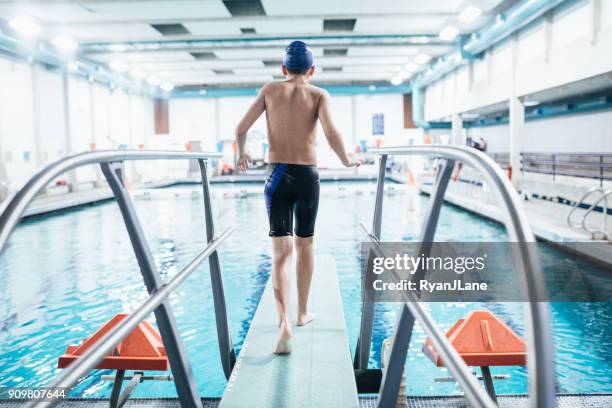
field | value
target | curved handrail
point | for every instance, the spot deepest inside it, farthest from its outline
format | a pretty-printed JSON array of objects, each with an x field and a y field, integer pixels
[
  {"x": 539, "y": 337},
  {"x": 18, "y": 203},
  {"x": 105, "y": 344},
  {"x": 603, "y": 231},
  {"x": 577, "y": 204}
]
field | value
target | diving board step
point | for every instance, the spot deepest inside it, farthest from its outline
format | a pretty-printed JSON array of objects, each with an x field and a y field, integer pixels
[{"x": 319, "y": 371}]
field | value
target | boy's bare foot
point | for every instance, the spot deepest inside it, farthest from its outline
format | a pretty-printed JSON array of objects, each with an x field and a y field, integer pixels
[
  {"x": 283, "y": 345},
  {"x": 304, "y": 318}
]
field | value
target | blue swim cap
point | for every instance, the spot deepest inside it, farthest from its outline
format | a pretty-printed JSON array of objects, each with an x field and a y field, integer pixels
[{"x": 298, "y": 56}]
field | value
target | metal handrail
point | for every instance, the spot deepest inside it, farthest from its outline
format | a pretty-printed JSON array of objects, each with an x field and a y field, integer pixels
[
  {"x": 111, "y": 163},
  {"x": 13, "y": 211},
  {"x": 539, "y": 337},
  {"x": 452, "y": 360},
  {"x": 579, "y": 202},
  {"x": 604, "y": 230},
  {"x": 106, "y": 344}
]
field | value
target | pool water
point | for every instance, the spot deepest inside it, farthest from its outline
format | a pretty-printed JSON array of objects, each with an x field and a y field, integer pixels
[{"x": 64, "y": 275}]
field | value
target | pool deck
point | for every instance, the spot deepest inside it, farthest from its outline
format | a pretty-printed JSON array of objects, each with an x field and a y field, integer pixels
[
  {"x": 319, "y": 371},
  {"x": 547, "y": 220},
  {"x": 46, "y": 203}
]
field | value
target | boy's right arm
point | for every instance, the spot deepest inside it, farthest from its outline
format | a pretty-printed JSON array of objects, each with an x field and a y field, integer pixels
[
  {"x": 247, "y": 121},
  {"x": 332, "y": 134}
]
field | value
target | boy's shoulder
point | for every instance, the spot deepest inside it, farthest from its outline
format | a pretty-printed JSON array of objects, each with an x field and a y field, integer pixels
[{"x": 271, "y": 86}]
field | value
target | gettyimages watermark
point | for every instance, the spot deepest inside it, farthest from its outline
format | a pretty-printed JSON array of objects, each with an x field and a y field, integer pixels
[{"x": 480, "y": 272}]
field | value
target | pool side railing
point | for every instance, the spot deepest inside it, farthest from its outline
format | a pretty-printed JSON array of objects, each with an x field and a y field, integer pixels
[
  {"x": 111, "y": 163},
  {"x": 526, "y": 261}
]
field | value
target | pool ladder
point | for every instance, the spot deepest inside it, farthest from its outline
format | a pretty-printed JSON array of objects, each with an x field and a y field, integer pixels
[
  {"x": 603, "y": 231},
  {"x": 538, "y": 328},
  {"x": 111, "y": 163}
]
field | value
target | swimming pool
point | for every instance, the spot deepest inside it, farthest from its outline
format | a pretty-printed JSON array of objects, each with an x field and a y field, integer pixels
[{"x": 64, "y": 275}]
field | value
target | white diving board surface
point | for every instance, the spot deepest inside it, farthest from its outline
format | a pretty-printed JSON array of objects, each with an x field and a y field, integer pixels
[{"x": 318, "y": 372}]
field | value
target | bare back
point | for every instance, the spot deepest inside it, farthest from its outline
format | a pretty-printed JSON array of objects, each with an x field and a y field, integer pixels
[
  {"x": 292, "y": 110},
  {"x": 291, "y": 115}
]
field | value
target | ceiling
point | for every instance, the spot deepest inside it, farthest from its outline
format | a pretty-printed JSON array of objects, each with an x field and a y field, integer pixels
[{"x": 195, "y": 43}]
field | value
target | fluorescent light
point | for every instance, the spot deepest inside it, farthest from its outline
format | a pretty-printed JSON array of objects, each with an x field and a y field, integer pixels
[
  {"x": 469, "y": 14},
  {"x": 118, "y": 47},
  {"x": 153, "y": 80},
  {"x": 372, "y": 88},
  {"x": 25, "y": 26},
  {"x": 203, "y": 92},
  {"x": 411, "y": 66},
  {"x": 73, "y": 66},
  {"x": 118, "y": 66},
  {"x": 449, "y": 33},
  {"x": 396, "y": 81},
  {"x": 137, "y": 73},
  {"x": 403, "y": 74},
  {"x": 422, "y": 59},
  {"x": 531, "y": 103},
  {"x": 65, "y": 43},
  {"x": 167, "y": 86}
]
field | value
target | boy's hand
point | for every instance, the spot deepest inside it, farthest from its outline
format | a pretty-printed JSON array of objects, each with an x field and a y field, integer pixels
[
  {"x": 352, "y": 162},
  {"x": 244, "y": 161}
]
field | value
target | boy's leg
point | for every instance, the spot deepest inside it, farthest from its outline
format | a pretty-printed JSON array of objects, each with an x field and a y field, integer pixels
[
  {"x": 282, "y": 249},
  {"x": 304, "y": 269}
]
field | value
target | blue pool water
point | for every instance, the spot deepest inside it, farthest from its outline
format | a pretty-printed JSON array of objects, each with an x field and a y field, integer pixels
[{"x": 64, "y": 275}]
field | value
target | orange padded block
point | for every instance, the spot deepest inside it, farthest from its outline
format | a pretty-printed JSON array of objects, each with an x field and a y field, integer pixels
[
  {"x": 142, "y": 349},
  {"x": 482, "y": 340}
]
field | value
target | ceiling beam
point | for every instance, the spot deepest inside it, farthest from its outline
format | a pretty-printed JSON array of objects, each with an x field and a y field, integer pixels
[
  {"x": 265, "y": 41},
  {"x": 277, "y": 17}
]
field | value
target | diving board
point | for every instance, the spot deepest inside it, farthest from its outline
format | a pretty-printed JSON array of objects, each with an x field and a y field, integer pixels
[{"x": 318, "y": 372}]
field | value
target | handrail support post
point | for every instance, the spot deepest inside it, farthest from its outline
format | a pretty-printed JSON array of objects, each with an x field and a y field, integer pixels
[
  {"x": 364, "y": 341},
  {"x": 226, "y": 347},
  {"x": 389, "y": 387},
  {"x": 181, "y": 369}
]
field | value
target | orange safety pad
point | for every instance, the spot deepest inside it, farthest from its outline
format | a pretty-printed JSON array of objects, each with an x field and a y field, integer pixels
[
  {"x": 142, "y": 349},
  {"x": 482, "y": 340}
]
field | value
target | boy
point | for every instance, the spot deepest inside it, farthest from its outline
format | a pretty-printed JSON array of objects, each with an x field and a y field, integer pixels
[{"x": 292, "y": 109}]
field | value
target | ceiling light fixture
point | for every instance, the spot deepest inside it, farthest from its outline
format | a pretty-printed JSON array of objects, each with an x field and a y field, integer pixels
[
  {"x": 65, "y": 43},
  {"x": 470, "y": 14},
  {"x": 422, "y": 59},
  {"x": 531, "y": 103},
  {"x": 73, "y": 66},
  {"x": 26, "y": 26},
  {"x": 396, "y": 81},
  {"x": 411, "y": 66},
  {"x": 153, "y": 80},
  {"x": 118, "y": 66},
  {"x": 137, "y": 73},
  {"x": 118, "y": 47},
  {"x": 449, "y": 33},
  {"x": 167, "y": 86},
  {"x": 403, "y": 74}
]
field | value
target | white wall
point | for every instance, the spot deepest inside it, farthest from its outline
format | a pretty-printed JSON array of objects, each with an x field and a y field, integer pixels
[
  {"x": 541, "y": 56},
  {"x": 40, "y": 124},
  {"x": 583, "y": 133},
  {"x": 212, "y": 119}
]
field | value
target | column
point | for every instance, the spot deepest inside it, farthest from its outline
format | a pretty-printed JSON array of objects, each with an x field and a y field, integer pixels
[
  {"x": 38, "y": 159},
  {"x": 354, "y": 134},
  {"x": 457, "y": 138},
  {"x": 71, "y": 176},
  {"x": 517, "y": 125}
]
